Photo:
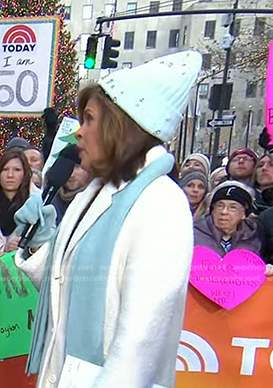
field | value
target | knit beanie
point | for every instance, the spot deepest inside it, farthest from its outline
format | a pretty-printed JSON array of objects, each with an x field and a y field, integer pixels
[
  {"x": 155, "y": 94},
  {"x": 242, "y": 151},
  {"x": 71, "y": 153},
  {"x": 18, "y": 142},
  {"x": 190, "y": 176},
  {"x": 200, "y": 158},
  {"x": 233, "y": 191}
]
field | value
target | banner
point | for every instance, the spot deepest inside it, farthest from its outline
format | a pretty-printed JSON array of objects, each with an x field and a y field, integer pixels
[
  {"x": 18, "y": 305},
  {"x": 29, "y": 49},
  {"x": 227, "y": 348}
]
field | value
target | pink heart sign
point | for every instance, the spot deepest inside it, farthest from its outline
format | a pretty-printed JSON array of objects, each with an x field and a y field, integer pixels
[{"x": 229, "y": 280}]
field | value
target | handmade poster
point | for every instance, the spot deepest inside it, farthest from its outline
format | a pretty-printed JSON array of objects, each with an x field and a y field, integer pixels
[
  {"x": 28, "y": 61},
  {"x": 229, "y": 280},
  {"x": 18, "y": 305},
  {"x": 269, "y": 94},
  {"x": 64, "y": 136}
]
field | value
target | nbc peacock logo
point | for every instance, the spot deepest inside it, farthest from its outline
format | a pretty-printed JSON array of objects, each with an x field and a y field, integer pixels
[
  {"x": 195, "y": 354},
  {"x": 19, "y": 38}
]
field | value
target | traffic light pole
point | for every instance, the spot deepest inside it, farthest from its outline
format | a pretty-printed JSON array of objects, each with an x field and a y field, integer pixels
[{"x": 217, "y": 134}]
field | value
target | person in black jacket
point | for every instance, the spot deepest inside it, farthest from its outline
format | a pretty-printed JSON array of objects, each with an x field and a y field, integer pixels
[{"x": 51, "y": 125}]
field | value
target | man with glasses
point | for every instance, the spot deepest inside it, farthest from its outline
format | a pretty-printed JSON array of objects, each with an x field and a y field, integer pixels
[{"x": 241, "y": 165}]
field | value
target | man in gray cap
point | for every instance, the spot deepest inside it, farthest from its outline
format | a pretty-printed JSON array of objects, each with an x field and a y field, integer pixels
[{"x": 18, "y": 142}]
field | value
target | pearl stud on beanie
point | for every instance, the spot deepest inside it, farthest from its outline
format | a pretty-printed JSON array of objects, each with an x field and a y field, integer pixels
[{"x": 156, "y": 93}]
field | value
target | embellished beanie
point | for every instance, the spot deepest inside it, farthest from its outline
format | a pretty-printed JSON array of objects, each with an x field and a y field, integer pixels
[
  {"x": 233, "y": 191},
  {"x": 155, "y": 94}
]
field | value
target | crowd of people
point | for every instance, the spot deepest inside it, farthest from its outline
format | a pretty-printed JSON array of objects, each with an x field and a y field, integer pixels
[{"x": 231, "y": 205}]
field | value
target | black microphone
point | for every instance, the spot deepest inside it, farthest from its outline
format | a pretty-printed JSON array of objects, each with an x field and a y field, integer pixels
[{"x": 57, "y": 175}]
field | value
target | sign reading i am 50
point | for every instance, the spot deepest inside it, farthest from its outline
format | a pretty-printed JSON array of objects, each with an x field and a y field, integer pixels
[{"x": 27, "y": 64}]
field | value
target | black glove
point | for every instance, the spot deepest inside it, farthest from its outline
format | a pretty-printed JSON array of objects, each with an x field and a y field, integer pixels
[{"x": 264, "y": 140}]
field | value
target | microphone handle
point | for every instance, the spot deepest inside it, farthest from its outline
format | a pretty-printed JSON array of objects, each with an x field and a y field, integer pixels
[{"x": 30, "y": 230}]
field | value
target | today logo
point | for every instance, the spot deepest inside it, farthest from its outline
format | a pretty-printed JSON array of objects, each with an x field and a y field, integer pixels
[
  {"x": 195, "y": 354},
  {"x": 19, "y": 38}
]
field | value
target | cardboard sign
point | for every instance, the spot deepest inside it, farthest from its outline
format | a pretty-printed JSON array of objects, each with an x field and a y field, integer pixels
[
  {"x": 227, "y": 349},
  {"x": 269, "y": 94},
  {"x": 229, "y": 280},
  {"x": 18, "y": 305},
  {"x": 64, "y": 136},
  {"x": 28, "y": 64}
]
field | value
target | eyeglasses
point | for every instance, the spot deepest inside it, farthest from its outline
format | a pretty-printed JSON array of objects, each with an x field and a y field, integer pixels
[
  {"x": 232, "y": 208},
  {"x": 245, "y": 159}
]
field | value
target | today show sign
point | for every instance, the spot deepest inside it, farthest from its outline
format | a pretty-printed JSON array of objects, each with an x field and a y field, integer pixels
[{"x": 28, "y": 61}]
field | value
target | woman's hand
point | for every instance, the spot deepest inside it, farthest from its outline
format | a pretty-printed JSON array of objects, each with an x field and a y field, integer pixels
[
  {"x": 32, "y": 212},
  {"x": 269, "y": 270},
  {"x": 12, "y": 244}
]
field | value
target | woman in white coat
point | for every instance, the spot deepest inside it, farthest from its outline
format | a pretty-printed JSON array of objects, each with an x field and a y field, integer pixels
[{"x": 113, "y": 278}]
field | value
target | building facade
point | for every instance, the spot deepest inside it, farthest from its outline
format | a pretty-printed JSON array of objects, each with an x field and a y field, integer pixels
[{"x": 147, "y": 38}]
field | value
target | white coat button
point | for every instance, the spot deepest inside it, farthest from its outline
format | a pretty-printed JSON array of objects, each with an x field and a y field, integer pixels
[
  {"x": 52, "y": 379},
  {"x": 61, "y": 280}
]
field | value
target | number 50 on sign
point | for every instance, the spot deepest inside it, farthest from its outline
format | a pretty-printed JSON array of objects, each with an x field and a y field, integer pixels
[{"x": 27, "y": 64}]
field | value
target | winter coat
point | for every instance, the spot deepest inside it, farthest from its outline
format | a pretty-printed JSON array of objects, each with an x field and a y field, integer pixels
[
  {"x": 265, "y": 228},
  {"x": 146, "y": 287},
  {"x": 246, "y": 236}
]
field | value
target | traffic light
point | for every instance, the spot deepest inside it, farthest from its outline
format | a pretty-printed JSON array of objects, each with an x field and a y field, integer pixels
[
  {"x": 109, "y": 52},
  {"x": 91, "y": 52}
]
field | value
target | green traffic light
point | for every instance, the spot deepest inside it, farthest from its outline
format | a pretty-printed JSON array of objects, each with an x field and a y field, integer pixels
[{"x": 89, "y": 63}]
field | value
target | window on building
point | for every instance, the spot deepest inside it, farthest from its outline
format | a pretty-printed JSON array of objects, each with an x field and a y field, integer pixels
[
  {"x": 203, "y": 121},
  {"x": 262, "y": 93},
  {"x": 251, "y": 89},
  {"x": 127, "y": 65},
  {"x": 131, "y": 8},
  {"x": 151, "y": 39},
  {"x": 129, "y": 40},
  {"x": 233, "y": 58},
  {"x": 174, "y": 38},
  {"x": 259, "y": 118},
  {"x": 154, "y": 6},
  {"x": 109, "y": 9},
  {"x": 67, "y": 12},
  {"x": 210, "y": 29},
  {"x": 185, "y": 35},
  {"x": 203, "y": 90},
  {"x": 237, "y": 27},
  {"x": 245, "y": 119},
  {"x": 259, "y": 26},
  {"x": 177, "y": 5},
  {"x": 206, "y": 65},
  {"x": 84, "y": 38},
  {"x": 87, "y": 11},
  {"x": 83, "y": 72}
]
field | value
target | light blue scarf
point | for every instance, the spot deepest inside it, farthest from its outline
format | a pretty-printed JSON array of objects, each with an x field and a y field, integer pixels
[{"x": 89, "y": 274}]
